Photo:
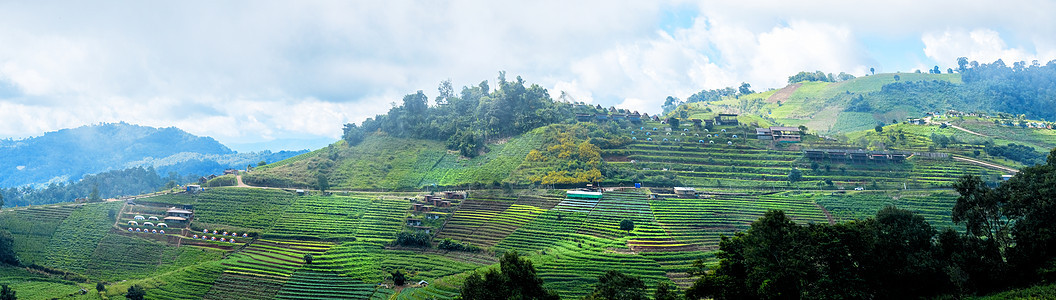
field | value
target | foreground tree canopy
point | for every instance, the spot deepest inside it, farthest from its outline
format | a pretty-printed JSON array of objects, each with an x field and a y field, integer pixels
[{"x": 1010, "y": 234}]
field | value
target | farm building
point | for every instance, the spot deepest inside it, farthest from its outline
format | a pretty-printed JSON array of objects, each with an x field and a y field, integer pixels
[
  {"x": 454, "y": 195},
  {"x": 583, "y": 195},
  {"x": 583, "y": 117},
  {"x": 177, "y": 216},
  {"x": 414, "y": 222},
  {"x": 635, "y": 117},
  {"x": 193, "y": 188},
  {"x": 780, "y": 134},
  {"x": 726, "y": 119},
  {"x": 764, "y": 134},
  {"x": 685, "y": 192}
]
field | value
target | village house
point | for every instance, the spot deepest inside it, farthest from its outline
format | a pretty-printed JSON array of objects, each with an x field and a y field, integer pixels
[
  {"x": 685, "y": 192},
  {"x": 178, "y": 216}
]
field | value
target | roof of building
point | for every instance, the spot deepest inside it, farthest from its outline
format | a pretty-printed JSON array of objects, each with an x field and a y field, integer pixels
[
  {"x": 777, "y": 128},
  {"x": 177, "y": 211},
  {"x": 175, "y": 218},
  {"x": 684, "y": 189}
]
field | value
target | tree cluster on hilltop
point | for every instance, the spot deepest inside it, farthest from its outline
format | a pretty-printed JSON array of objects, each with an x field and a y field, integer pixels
[
  {"x": 1009, "y": 237},
  {"x": 468, "y": 119}
]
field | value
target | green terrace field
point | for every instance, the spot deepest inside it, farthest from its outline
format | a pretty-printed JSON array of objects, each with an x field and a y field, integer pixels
[
  {"x": 701, "y": 221},
  {"x": 326, "y": 218},
  {"x": 241, "y": 209},
  {"x": 70, "y": 246},
  {"x": 485, "y": 221},
  {"x": 755, "y": 164},
  {"x": 260, "y": 270},
  {"x": 32, "y": 229}
]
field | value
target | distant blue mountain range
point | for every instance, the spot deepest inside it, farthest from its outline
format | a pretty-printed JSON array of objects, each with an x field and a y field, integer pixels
[{"x": 68, "y": 155}]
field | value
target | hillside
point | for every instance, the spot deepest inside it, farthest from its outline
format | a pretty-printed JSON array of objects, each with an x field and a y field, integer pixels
[
  {"x": 863, "y": 102},
  {"x": 437, "y": 204}
]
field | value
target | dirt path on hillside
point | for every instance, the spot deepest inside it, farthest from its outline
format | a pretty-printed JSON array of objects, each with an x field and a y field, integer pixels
[
  {"x": 928, "y": 121},
  {"x": 783, "y": 93},
  {"x": 239, "y": 178},
  {"x": 985, "y": 164},
  {"x": 827, "y": 214}
]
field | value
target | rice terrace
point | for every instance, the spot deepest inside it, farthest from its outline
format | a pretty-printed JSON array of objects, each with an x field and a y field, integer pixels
[{"x": 650, "y": 170}]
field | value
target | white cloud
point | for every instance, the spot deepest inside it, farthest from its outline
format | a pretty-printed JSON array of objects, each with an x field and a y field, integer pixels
[
  {"x": 246, "y": 72},
  {"x": 983, "y": 45},
  {"x": 714, "y": 53}
]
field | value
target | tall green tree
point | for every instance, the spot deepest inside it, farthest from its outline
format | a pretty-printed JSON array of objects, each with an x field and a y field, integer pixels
[
  {"x": 1031, "y": 196},
  {"x": 614, "y": 285},
  {"x": 6, "y": 293},
  {"x": 515, "y": 279},
  {"x": 7, "y": 249},
  {"x": 979, "y": 208},
  {"x": 666, "y": 291},
  {"x": 94, "y": 195},
  {"x": 135, "y": 292}
]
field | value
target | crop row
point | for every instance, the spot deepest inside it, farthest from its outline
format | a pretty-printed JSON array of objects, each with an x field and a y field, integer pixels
[
  {"x": 701, "y": 221},
  {"x": 32, "y": 230},
  {"x": 333, "y": 217},
  {"x": 242, "y": 207},
  {"x": 76, "y": 238}
]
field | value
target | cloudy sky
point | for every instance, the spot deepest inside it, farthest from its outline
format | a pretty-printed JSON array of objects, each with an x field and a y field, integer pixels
[{"x": 285, "y": 75}]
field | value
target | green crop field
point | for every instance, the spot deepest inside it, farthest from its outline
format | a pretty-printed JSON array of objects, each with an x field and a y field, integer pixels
[{"x": 347, "y": 241}]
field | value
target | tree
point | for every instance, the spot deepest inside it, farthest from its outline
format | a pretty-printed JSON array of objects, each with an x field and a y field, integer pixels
[
  {"x": 670, "y": 104},
  {"x": 308, "y": 258},
  {"x": 446, "y": 91},
  {"x": 879, "y": 128},
  {"x": 673, "y": 122},
  {"x": 794, "y": 175},
  {"x": 515, "y": 279},
  {"x": 322, "y": 183},
  {"x": 264, "y": 163},
  {"x": 1031, "y": 204},
  {"x": 814, "y": 166},
  {"x": 904, "y": 257},
  {"x": 399, "y": 278},
  {"x": 962, "y": 64},
  {"x": 7, "y": 249},
  {"x": 745, "y": 88},
  {"x": 627, "y": 225},
  {"x": 614, "y": 285},
  {"x": 353, "y": 135},
  {"x": 6, "y": 293},
  {"x": 897, "y": 77},
  {"x": 872, "y": 71},
  {"x": 666, "y": 291},
  {"x": 99, "y": 287},
  {"x": 979, "y": 208},
  {"x": 936, "y": 70},
  {"x": 135, "y": 292},
  {"x": 94, "y": 195}
]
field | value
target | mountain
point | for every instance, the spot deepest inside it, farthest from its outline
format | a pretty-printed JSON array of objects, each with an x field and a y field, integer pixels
[
  {"x": 69, "y": 154},
  {"x": 698, "y": 199}
]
